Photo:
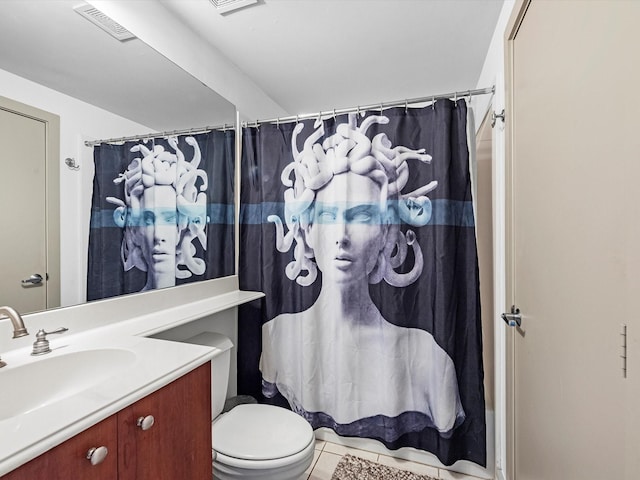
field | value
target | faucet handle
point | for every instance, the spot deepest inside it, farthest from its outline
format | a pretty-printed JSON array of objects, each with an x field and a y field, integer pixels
[{"x": 41, "y": 345}]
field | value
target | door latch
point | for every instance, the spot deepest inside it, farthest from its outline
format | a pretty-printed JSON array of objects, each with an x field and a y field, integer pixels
[{"x": 513, "y": 319}]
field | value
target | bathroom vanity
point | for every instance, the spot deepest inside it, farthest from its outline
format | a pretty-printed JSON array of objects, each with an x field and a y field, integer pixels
[
  {"x": 102, "y": 382},
  {"x": 176, "y": 445}
]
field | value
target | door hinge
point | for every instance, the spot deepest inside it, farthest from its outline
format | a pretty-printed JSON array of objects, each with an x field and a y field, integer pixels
[{"x": 624, "y": 350}]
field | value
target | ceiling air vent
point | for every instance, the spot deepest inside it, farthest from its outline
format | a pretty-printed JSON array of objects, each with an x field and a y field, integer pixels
[
  {"x": 226, "y": 6},
  {"x": 110, "y": 26}
]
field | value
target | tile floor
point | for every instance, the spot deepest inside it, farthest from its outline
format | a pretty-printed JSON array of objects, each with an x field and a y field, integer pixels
[{"x": 327, "y": 456}]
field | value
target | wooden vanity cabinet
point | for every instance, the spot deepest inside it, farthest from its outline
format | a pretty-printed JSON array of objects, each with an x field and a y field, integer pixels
[
  {"x": 69, "y": 459},
  {"x": 178, "y": 445}
]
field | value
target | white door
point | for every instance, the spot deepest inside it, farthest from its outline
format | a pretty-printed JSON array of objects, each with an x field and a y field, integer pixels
[
  {"x": 23, "y": 220},
  {"x": 574, "y": 264}
]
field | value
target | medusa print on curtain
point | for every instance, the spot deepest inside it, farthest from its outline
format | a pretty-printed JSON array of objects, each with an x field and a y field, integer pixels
[
  {"x": 370, "y": 325},
  {"x": 162, "y": 214}
]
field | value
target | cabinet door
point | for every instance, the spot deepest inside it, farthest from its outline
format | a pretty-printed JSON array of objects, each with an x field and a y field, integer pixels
[
  {"x": 69, "y": 459},
  {"x": 178, "y": 445}
]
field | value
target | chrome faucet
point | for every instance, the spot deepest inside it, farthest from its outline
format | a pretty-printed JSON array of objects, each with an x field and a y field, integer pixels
[{"x": 19, "y": 329}]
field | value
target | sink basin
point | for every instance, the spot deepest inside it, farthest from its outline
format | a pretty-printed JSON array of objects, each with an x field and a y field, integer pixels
[{"x": 30, "y": 386}]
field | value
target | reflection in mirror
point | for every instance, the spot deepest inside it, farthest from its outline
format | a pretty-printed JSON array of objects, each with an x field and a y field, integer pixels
[
  {"x": 99, "y": 87},
  {"x": 162, "y": 213}
]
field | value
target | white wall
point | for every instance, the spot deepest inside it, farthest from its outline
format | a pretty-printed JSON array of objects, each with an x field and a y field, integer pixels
[{"x": 79, "y": 121}]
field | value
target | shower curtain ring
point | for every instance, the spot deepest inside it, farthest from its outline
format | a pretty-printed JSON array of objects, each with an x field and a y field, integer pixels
[
  {"x": 406, "y": 105},
  {"x": 433, "y": 103},
  {"x": 380, "y": 108},
  {"x": 278, "y": 123},
  {"x": 358, "y": 110},
  {"x": 334, "y": 113}
]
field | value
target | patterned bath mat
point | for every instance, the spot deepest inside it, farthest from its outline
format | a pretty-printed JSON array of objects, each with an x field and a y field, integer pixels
[{"x": 356, "y": 468}]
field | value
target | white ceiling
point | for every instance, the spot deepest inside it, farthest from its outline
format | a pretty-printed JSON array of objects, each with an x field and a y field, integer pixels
[
  {"x": 47, "y": 42},
  {"x": 306, "y": 55}
]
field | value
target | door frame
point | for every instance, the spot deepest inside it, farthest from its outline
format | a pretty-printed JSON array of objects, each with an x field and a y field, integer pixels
[
  {"x": 515, "y": 21},
  {"x": 52, "y": 194}
]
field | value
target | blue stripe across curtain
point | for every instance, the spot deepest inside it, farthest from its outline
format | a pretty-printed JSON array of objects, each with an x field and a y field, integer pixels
[
  {"x": 162, "y": 213},
  {"x": 360, "y": 231}
]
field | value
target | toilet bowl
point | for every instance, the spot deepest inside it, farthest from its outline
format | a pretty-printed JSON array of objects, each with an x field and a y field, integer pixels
[
  {"x": 261, "y": 441},
  {"x": 253, "y": 441}
]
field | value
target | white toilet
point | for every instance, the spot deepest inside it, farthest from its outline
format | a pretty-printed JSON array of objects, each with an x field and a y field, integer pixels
[{"x": 253, "y": 441}]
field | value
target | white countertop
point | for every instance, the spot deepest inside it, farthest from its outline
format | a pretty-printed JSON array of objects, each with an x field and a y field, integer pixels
[{"x": 155, "y": 363}]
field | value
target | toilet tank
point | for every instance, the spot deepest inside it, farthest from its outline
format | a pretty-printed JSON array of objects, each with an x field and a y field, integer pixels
[{"x": 220, "y": 366}]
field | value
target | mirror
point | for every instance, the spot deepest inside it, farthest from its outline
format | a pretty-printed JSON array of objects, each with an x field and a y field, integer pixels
[{"x": 100, "y": 88}]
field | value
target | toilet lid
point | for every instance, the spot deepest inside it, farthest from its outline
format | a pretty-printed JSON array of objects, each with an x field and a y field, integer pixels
[{"x": 260, "y": 432}]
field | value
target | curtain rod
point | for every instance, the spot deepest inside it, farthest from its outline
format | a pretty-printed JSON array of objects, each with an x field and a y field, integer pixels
[
  {"x": 295, "y": 118},
  {"x": 186, "y": 131},
  {"x": 374, "y": 106}
]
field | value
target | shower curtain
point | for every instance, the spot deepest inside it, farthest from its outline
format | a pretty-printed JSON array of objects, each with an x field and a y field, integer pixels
[
  {"x": 162, "y": 213},
  {"x": 360, "y": 231}
]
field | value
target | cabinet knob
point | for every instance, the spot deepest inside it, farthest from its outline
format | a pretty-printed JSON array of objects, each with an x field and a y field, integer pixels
[
  {"x": 97, "y": 455},
  {"x": 145, "y": 423}
]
